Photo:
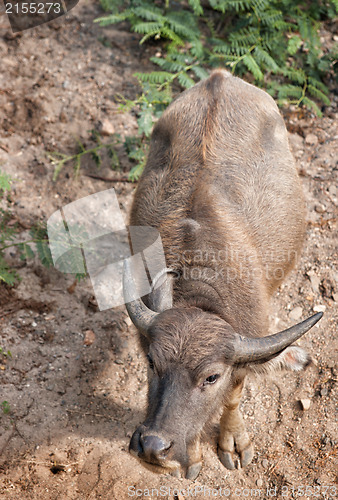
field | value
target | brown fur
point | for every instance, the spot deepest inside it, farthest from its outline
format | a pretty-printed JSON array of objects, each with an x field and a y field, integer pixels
[{"x": 221, "y": 187}]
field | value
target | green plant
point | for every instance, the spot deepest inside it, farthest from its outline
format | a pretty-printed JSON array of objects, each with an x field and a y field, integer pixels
[
  {"x": 6, "y": 354},
  {"x": 9, "y": 234},
  {"x": 275, "y": 43},
  {"x": 60, "y": 159},
  {"x": 5, "y": 407}
]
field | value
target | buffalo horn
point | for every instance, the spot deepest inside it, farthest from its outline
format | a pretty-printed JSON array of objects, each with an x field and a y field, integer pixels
[
  {"x": 139, "y": 313},
  {"x": 250, "y": 350}
]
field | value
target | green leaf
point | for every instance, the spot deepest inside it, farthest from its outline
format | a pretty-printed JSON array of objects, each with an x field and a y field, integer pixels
[
  {"x": 263, "y": 56},
  {"x": 149, "y": 28},
  {"x": 312, "y": 105},
  {"x": 7, "y": 275},
  {"x": 287, "y": 91},
  {"x": 318, "y": 94},
  {"x": 252, "y": 66},
  {"x": 196, "y": 7},
  {"x": 145, "y": 121},
  {"x": 5, "y": 407},
  {"x": 44, "y": 253},
  {"x": 185, "y": 80},
  {"x": 5, "y": 181},
  {"x": 26, "y": 252},
  {"x": 200, "y": 72},
  {"x": 294, "y": 43}
]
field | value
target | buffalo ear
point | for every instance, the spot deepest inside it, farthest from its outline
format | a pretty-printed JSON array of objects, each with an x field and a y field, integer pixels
[{"x": 292, "y": 358}]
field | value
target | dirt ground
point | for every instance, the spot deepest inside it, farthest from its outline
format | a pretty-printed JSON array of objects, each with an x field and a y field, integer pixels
[{"x": 74, "y": 403}]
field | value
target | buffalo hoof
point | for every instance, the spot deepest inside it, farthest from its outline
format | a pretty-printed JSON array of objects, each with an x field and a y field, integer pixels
[
  {"x": 193, "y": 471},
  {"x": 226, "y": 457},
  {"x": 175, "y": 473}
]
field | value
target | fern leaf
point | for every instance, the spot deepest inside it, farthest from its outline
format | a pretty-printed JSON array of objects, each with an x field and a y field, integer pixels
[
  {"x": 200, "y": 72},
  {"x": 113, "y": 18},
  {"x": 263, "y": 56},
  {"x": 145, "y": 121},
  {"x": 320, "y": 85},
  {"x": 5, "y": 181},
  {"x": 252, "y": 66},
  {"x": 287, "y": 91},
  {"x": 185, "y": 80},
  {"x": 171, "y": 35},
  {"x": 44, "y": 254},
  {"x": 159, "y": 77},
  {"x": 181, "y": 28},
  {"x": 147, "y": 27},
  {"x": 197, "y": 49},
  {"x": 318, "y": 94},
  {"x": 167, "y": 65},
  {"x": 151, "y": 14},
  {"x": 294, "y": 43},
  {"x": 196, "y": 7},
  {"x": 7, "y": 275},
  {"x": 296, "y": 75},
  {"x": 312, "y": 105},
  {"x": 25, "y": 251}
]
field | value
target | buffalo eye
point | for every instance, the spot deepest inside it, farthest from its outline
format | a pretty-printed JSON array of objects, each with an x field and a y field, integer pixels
[
  {"x": 150, "y": 361},
  {"x": 211, "y": 380}
]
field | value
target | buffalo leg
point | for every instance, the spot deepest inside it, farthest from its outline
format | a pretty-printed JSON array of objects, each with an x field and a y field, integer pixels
[
  {"x": 195, "y": 459},
  {"x": 233, "y": 433}
]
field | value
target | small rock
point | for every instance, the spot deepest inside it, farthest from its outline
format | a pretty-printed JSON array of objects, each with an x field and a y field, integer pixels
[
  {"x": 324, "y": 392},
  {"x": 335, "y": 297},
  {"x": 89, "y": 337},
  {"x": 119, "y": 361},
  {"x": 259, "y": 482},
  {"x": 65, "y": 84},
  {"x": 319, "y": 308},
  {"x": 107, "y": 128},
  {"x": 311, "y": 139},
  {"x": 320, "y": 208},
  {"x": 265, "y": 463},
  {"x": 296, "y": 313},
  {"x": 305, "y": 403},
  {"x": 315, "y": 281}
]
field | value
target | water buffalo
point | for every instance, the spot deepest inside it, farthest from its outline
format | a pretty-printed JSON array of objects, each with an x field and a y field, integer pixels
[{"x": 221, "y": 187}]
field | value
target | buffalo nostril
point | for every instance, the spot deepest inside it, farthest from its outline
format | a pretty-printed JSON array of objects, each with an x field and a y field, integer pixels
[{"x": 154, "y": 447}]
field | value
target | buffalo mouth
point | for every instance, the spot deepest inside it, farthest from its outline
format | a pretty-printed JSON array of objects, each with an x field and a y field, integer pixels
[{"x": 153, "y": 450}]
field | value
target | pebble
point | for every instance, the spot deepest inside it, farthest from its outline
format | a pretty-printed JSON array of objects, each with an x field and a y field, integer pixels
[
  {"x": 119, "y": 361},
  {"x": 107, "y": 128},
  {"x": 319, "y": 308},
  {"x": 265, "y": 463},
  {"x": 305, "y": 403},
  {"x": 296, "y": 313},
  {"x": 320, "y": 208},
  {"x": 315, "y": 281},
  {"x": 311, "y": 139},
  {"x": 89, "y": 337},
  {"x": 259, "y": 482},
  {"x": 324, "y": 392}
]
